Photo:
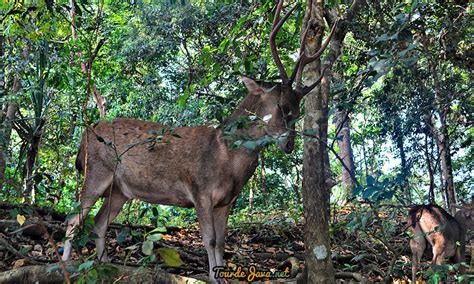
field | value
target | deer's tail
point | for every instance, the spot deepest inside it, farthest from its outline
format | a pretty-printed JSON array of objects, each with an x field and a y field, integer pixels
[{"x": 81, "y": 154}]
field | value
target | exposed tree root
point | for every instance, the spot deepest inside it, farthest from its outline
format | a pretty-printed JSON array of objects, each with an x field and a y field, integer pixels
[{"x": 120, "y": 274}]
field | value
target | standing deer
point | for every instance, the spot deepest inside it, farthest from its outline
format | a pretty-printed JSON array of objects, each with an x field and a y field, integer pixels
[
  {"x": 190, "y": 167},
  {"x": 445, "y": 234}
]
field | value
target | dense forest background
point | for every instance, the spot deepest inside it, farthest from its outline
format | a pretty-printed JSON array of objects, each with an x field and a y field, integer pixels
[{"x": 399, "y": 111}]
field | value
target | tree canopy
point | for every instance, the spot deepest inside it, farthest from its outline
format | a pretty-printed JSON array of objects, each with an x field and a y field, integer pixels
[{"x": 396, "y": 100}]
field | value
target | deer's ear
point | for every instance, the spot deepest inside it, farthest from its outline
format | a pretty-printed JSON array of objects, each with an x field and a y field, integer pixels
[{"x": 253, "y": 87}]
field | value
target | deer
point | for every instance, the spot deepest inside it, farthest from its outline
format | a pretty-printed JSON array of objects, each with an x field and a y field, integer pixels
[
  {"x": 189, "y": 166},
  {"x": 446, "y": 235}
]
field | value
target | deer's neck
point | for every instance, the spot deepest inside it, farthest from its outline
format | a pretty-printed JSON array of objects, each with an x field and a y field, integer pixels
[
  {"x": 243, "y": 160},
  {"x": 251, "y": 105}
]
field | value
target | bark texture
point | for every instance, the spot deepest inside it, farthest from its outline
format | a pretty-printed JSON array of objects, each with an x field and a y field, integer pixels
[
  {"x": 431, "y": 170},
  {"x": 3, "y": 148},
  {"x": 7, "y": 113},
  {"x": 316, "y": 170},
  {"x": 117, "y": 273},
  {"x": 319, "y": 268},
  {"x": 345, "y": 151}
]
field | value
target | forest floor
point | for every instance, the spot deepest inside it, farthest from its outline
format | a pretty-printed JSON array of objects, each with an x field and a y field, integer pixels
[{"x": 268, "y": 247}]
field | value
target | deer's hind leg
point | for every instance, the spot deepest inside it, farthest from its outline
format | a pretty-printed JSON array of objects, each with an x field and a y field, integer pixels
[
  {"x": 94, "y": 187},
  {"x": 111, "y": 207},
  {"x": 417, "y": 245}
]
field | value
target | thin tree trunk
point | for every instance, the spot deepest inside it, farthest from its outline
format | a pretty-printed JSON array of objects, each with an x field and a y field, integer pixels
[
  {"x": 31, "y": 159},
  {"x": 345, "y": 151},
  {"x": 86, "y": 68},
  {"x": 429, "y": 166},
  {"x": 441, "y": 135},
  {"x": 441, "y": 178},
  {"x": 442, "y": 139},
  {"x": 11, "y": 109},
  {"x": 403, "y": 164},
  {"x": 438, "y": 166},
  {"x": 446, "y": 165},
  {"x": 7, "y": 114},
  {"x": 3, "y": 145}
]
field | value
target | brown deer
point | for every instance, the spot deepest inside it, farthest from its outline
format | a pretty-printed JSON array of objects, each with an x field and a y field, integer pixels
[
  {"x": 465, "y": 214},
  {"x": 431, "y": 224},
  {"x": 188, "y": 166}
]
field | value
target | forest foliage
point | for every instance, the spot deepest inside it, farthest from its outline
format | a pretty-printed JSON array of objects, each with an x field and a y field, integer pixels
[{"x": 403, "y": 82}]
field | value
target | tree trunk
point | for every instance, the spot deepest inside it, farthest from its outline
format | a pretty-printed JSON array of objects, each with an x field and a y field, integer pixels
[
  {"x": 441, "y": 179},
  {"x": 116, "y": 274},
  {"x": 345, "y": 151},
  {"x": 316, "y": 170},
  {"x": 441, "y": 135},
  {"x": 31, "y": 159},
  {"x": 7, "y": 114},
  {"x": 404, "y": 170},
  {"x": 319, "y": 268},
  {"x": 446, "y": 164},
  {"x": 442, "y": 139}
]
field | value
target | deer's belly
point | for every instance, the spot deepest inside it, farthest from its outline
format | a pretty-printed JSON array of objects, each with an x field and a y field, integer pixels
[{"x": 163, "y": 192}]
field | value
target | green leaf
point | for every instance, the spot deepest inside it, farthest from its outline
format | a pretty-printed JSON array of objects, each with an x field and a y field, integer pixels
[
  {"x": 357, "y": 190},
  {"x": 14, "y": 213},
  {"x": 224, "y": 45},
  {"x": 309, "y": 132},
  {"x": 122, "y": 236},
  {"x": 183, "y": 99},
  {"x": 170, "y": 257},
  {"x": 250, "y": 145},
  {"x": 158, "y": 230},
  {"x": 368, "y": 192},
  {"x": 147, "y": 247},
  {"x": 155, "y": 237},
  {"x": 132, "y": 247},
  {"x": 86, "y": 265},
  {"x": 374, "y": 52},
  {"x": 53, "y": 268},
  {"x": 370, "y": 180},
  {"x": 382, "y": 38},
  {"x": 83, "y": 240}
]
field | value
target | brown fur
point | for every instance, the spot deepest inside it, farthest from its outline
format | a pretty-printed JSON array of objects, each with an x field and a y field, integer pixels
[
  {"x": 188, "y": 167},
  {"x": 431, "y": 224}
]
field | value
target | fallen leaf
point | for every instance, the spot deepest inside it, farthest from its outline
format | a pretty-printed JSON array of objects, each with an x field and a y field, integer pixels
[
  {"x": 170, "y": 257},
  {"x": 147, "y": 247},
  {"x": 20, "y": 219},
  {"x": 20, "y": 263},
  {"x": 272, "y": 250}
]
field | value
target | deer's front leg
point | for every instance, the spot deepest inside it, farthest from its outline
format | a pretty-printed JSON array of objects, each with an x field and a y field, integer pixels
[
  {"x": 220, "y": 222},
  {"x": 205, "y": 213}
]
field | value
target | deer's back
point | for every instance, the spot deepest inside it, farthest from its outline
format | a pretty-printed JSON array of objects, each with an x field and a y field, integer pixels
[
  {"x": 159, "y": 165},
  {"x": 437, "y": 226}
]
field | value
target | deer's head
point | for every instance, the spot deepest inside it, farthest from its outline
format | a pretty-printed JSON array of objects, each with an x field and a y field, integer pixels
[{"x": 279, "y": 103}]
